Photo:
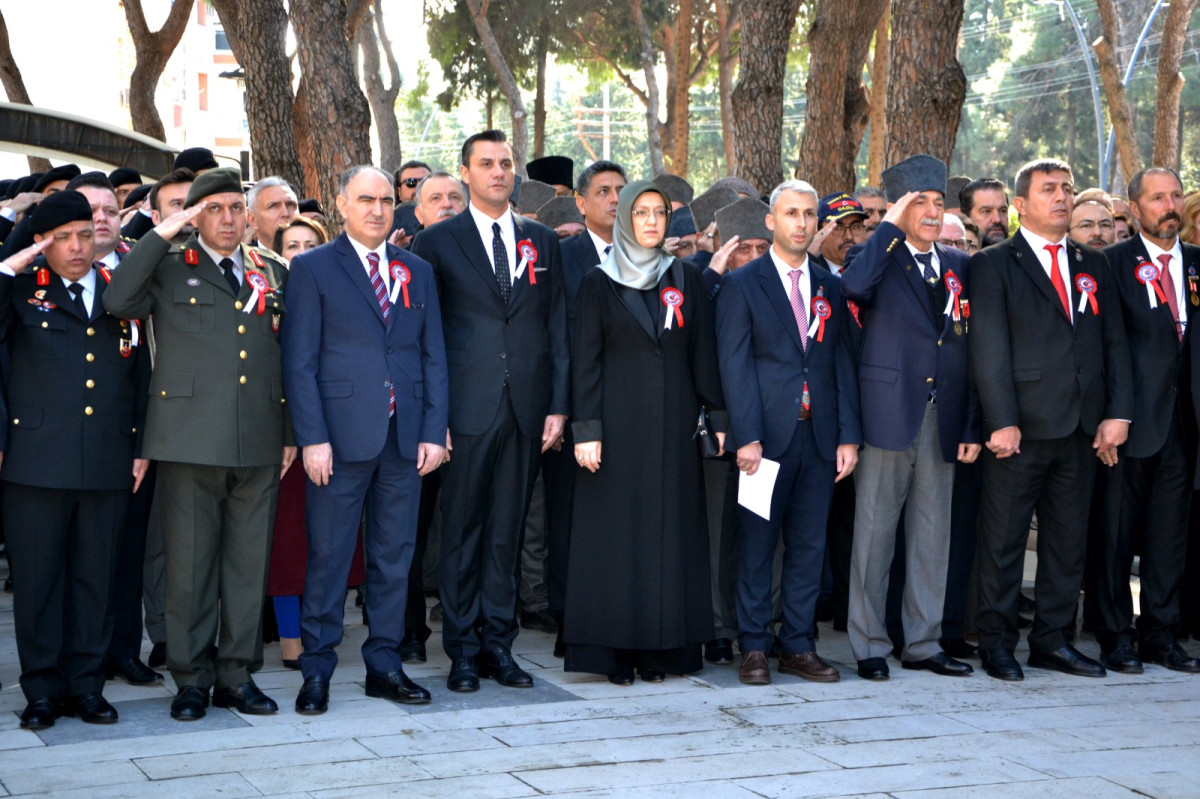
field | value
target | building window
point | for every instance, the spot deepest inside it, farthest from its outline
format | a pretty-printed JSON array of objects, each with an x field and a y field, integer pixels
[
  {"x": 203, "y": 91},
  {"x": 222, "y": 41}
]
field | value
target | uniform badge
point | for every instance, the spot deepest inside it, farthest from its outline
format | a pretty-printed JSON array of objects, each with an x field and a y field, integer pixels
[
  {"x": 275, "y": 322},
  {"x": 126, "y": 348},
  {"x": 35, "y": 303},
  {"x": 193, "y": 281},
  {"x": 40, "y": 294},
  {"x": 43, "y": 277},
  {"x": 958, "y": 328},
  {"x": 191, "y": 257}
]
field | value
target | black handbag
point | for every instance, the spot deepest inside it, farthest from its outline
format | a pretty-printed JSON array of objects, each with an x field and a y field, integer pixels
[{"x": 705, "y": 440}]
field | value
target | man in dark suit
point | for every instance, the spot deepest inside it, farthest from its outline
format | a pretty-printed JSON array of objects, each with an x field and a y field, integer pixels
[
  {"x": 499, "y": 279},
  {"x": 364, "y": 366},
  {"x": 76, "y": 389},
  {"x": 788, "y": 372},
  {"x": 1145, "y": 495},
  {"x": 1052, "y": 365},
  {"x": 919, "y": 417},
  {"x": 217, "y": 426}
]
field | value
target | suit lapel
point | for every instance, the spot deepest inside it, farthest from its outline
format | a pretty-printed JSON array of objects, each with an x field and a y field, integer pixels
[
  {"x": 349, "y": 261},
  {"x": 472, "y": 246},
  {"x": 768, "y": 280},
  {"x": 207, "y": 268},
  {"x": 101, "y": 284},
  {"x": 57, "y": 293},
  {"x": 520, "y": 233},
  {"x": 1028, "y": 261}
]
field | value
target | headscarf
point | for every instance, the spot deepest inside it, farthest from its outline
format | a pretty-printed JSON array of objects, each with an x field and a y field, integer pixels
[{"x": 629, "y": 263}]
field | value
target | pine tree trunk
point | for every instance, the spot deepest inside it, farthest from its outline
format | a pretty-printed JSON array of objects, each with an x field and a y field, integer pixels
[
  {"x": 926, "y": 84},
  {"x": 372, "y": 38},
  {"x": 727, "y": 19},
  {"x": 539, "y": 98},
  {"x": 652, "y": 100},
  {"x": 1170, "y": 84},
  {"x": 14, "y": 87},
  {"x": 152, "y": 51},
  {"x": 680, "y": 128},
  {"x": 1114, "y": 90},
  {"x": 512, "y": 92},
  {"x": 758, "y": 97},
  {"x": 878, "y": 118}
]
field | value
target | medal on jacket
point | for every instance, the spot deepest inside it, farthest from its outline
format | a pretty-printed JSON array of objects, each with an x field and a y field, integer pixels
[
  {"x": 529, "y": 256},
  {"x": 1147, "y": 274},
  {"x": 135, "y": 327},
  {"x": 1192, "y": 286},
  {"x": 191, "y": 257},
  {"x": 954, "y": 290},
  {"x": 1087, "y": 290},
  {"x": 400, "y": 280},
  {"x": 966, "y": 312},
  {"x": 673, "y": 299},
  {"x": 258, "y": 297},
  {"x": 821, "y": 311},
  {"x": 805, "y": 399}
]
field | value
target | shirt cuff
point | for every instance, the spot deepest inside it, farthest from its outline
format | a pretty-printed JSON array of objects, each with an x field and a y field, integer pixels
[{"x": 8, "y": 214}]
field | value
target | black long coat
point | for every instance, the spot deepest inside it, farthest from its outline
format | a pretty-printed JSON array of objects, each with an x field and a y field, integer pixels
[{"x": 638, "y": 577}]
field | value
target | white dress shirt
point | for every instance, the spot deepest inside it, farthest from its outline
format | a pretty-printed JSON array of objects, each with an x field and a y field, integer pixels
[
  {"x": 600, "y": 244},
  {"x": 785, "y": 278},
  {"x": 508, "y": 234},
  {"x": 385, "y": 271},
  {"x": 1038, "y": 244},
  {"x": 937, "y": 262},
  {"x": 88, "y": 281},
  {"x": 1177, "y": 276},
  {"x": 235, "y": 256}
]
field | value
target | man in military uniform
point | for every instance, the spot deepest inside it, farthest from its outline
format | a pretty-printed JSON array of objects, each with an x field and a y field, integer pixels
[
  {"x": 77, "y": 391},
  {"x": 216, "y": 425}
]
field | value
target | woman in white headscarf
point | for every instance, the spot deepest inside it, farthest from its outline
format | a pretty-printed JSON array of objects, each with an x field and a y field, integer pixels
[{"x": 644, "y": 362}]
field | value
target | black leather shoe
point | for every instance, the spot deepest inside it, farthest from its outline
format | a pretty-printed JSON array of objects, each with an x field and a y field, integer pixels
[
  {"x": 1001, "y": 664},
  {"x": 397, "y": 687},
  {"x": 463, "y": 677},
  {"x": 40, "y": 714},
  {"x": 1171, "y": 656},
  {"x": 719, "y": 651},
  {"x": 650, "y": 675},
  {"x": 189, "y": 703},
  {"x": 621, "y": 678},
  {"x": 90, "y": 708},
  {"x": 941, "y": 663},
  {"x": 134, "y": 672},
  {"x": 959, "y": 648},
  {"x": 498, "y": 664},
  {"x": 313, "y": 699},
  {"x": 412, "y": 649},
  {"x": 1122, "y": 659},
  {"x": 158, "y": 656},
  {"x": 245, "y": 698},
  {"x": 873, "y": 669},
  {"x": 1068, "y": 660},
  {"x": 539, "y": 620}
]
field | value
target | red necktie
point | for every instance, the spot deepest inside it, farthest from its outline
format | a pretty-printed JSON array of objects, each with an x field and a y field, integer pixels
[
  {"x": 1168, "y": 287},
  {"x": 1056, "y": 278},
  {"x": 386, "y": 307}
]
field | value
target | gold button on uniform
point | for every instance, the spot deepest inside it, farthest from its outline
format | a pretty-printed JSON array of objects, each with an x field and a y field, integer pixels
[
  {"x": 88, "y": 410},
  {"x": 90, "y": 383},
  {"x": 164, "y": 393},
  {"x": 241, "y": 329},
  {"x": 192, "y": 301},
  {"x": 89, "y": 357},
  {"x": 242, "y": 355},
  {"x": 16, "y": 422},
  {"x": 45, "y": 324},
  {"x": 91, "y": 331},
  {"x": 238, "y": 305},
  {"x": 929, "y": 380},
  {"x": 242, "y": 380}
]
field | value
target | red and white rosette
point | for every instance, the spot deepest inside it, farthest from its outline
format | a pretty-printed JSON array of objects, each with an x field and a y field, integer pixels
[
  {"x": 258, "y": 297},
  {"x": 1087, "y": 291},
  {"x": 1148, "y": 274},
  {"x": 401, "y": 277},
  {"x": 528, "y": 256},
  {"x": 673, "y": 299},
  {"x": 821, "y": 311},
  {"x": 954, "y": 291}
]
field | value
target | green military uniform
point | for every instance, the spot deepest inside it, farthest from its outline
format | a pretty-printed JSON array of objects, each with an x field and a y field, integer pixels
[{"x": 216, "y": 424}]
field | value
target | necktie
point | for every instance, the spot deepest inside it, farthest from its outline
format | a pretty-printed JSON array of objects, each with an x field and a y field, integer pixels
[
  {"x": 76, "y": 290},
  {"x": 1168, "y": 287},
  {"x": 798, "y": 307},
  {"x": 607, "y": 250},
  {"x": 230, "y": 278},
  {"x": 501, "y": 258},
  {"x": 385, "y": 306},
  {"x": 927, "y": 271},
  {"x": 1056, "y": 278}
]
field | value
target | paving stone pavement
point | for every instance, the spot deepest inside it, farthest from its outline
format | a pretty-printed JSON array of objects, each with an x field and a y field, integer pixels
[{"x": 917, "y": 736}]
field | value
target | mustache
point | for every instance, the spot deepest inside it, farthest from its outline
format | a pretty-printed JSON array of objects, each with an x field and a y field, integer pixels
[
  {"x": 446, "y": 213},
  {"x": 1168, "y": 216}
]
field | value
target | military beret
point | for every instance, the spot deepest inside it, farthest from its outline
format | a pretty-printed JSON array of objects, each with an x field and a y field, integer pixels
[
  {"x": 559, "y": 211},
  {"x": 678, "y": 189},
  {"x": 682, "y": 223},
  {"x": 746, "y": 219},
  {"x": 135, "y": 196},
  {"x": 309, "y": 206},
  {"x": 919, "y": 173},
  {"x": 838, "y": 206},
  {"x": 195, "y": 159},
  {"x": 57, "y": 210},
  {"x": 5, "y": 185},
  {"x": 122, "y": 175},
  {"x": 26, "y": 183},
  {"x": 740, "y": 185},
  {"x": 552, "y": 170},
  {"x": 215, "y": 181},
  {"x": 534, "y": 194},
  {"x": 704, "y": 208},
  {"x": 64, "y": 172}
]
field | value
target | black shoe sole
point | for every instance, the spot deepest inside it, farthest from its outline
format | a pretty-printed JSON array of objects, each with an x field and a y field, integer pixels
[
  {"x": 403, "y": 700},
  {"x": 157, "y": 680},
  {"x": 248, "y": 711}
]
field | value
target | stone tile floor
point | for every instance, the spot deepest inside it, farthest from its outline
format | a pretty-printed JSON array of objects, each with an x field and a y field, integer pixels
[{"x": 705, "y": 735}]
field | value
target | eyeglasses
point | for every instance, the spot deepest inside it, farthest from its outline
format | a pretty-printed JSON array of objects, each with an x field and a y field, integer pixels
[
  {"x": 410, "y": 183},
  {"x": 1091, "y": 224},
  {"x": 854, "y": 228},
  {"x": 958, "y": 244},
  {"x": 657, "y": 213}
]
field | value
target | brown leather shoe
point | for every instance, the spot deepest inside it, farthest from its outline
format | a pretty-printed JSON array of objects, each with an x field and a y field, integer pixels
[
  {"x": 809, "y": 666},
  {"x": 755, "y": 670}
]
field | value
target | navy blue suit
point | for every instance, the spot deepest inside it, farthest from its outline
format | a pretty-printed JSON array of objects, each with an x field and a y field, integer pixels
[
  {"x": 340, "y": 360},
  {"x": 764, "y": 369}
]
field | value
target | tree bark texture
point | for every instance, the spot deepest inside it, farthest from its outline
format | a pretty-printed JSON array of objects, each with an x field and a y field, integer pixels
[
  {"x": 1170, "y": 83},
  {"x": 680, "y": 127},
  {"x": 728, "y": 17},
  {"x": 372, "y": 38},
  {"x": 539, "y": 97},
  {"x": 878, "y": 117},
  {"x": 652, "y": 132},
  {"x": 338, "y": 115},
  {"x": 1114, "y": 90},
  {"x": 926, "y": 84},
  {"x": 257, "y": 34},
  {"x": 14, "y": 87},
  {"x": 508, "y": 84},
  {"x": 838, "y": 103},
  {"x": 152, "y": 48},
  {"x": 758, "y": 97}
]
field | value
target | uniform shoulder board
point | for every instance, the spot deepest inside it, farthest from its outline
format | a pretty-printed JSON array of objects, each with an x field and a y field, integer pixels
[{"x": 271, "y": 255}]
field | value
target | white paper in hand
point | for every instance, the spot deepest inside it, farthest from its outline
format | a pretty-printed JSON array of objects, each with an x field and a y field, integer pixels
[{"x": 754, "y": 491}]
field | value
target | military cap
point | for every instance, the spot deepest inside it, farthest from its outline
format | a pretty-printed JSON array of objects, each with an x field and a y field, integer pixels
[
  {"x": 215, "y": 181},
  {"x": 838, "y": 206},
  {"x": 682, "y": 223},
  {"x": 137, "y": 195},
  {"x": 26, "y": 183},
  {"x": 309, "y": 206},
  {"x": 195, "y": 159},
  {"x": 534, "y": 194},
  {"x": 746, "y": 219},
  {"x": 57, "y": 210},
  {"x": 740, "y": 185},
  {"x": 122, "y": 175},
  {"x": 552, "y": 170},
  {"x": 64, "y": 172},
  {"x": 919, "y": 173},
  {"x": 678, "y": 189},
  {"x": 704, "y": 208},
  {"x": 559, "y": 211}
]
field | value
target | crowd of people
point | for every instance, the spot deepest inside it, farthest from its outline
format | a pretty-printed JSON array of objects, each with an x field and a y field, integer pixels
[{"x": 538, "y": 400}]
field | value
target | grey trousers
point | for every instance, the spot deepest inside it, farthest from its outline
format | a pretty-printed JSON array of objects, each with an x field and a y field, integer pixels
[{"x": 919, "y": 482}]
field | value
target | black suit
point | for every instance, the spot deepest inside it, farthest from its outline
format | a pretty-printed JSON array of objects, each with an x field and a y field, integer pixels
[
  {"x": 1056, "y": 379},
  {"x": 1145, "y": 496},
  {"x": 77, "y": 392},
  {"x": 509, "y": 369}
]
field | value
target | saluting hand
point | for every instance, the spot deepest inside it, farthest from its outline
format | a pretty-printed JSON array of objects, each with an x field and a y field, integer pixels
[
  {"x": 19, "y": 260},
  {"x": 895, "y": 211},
  {"x": 169, "y": 228},
  {"x": 721, "y": 257}
]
